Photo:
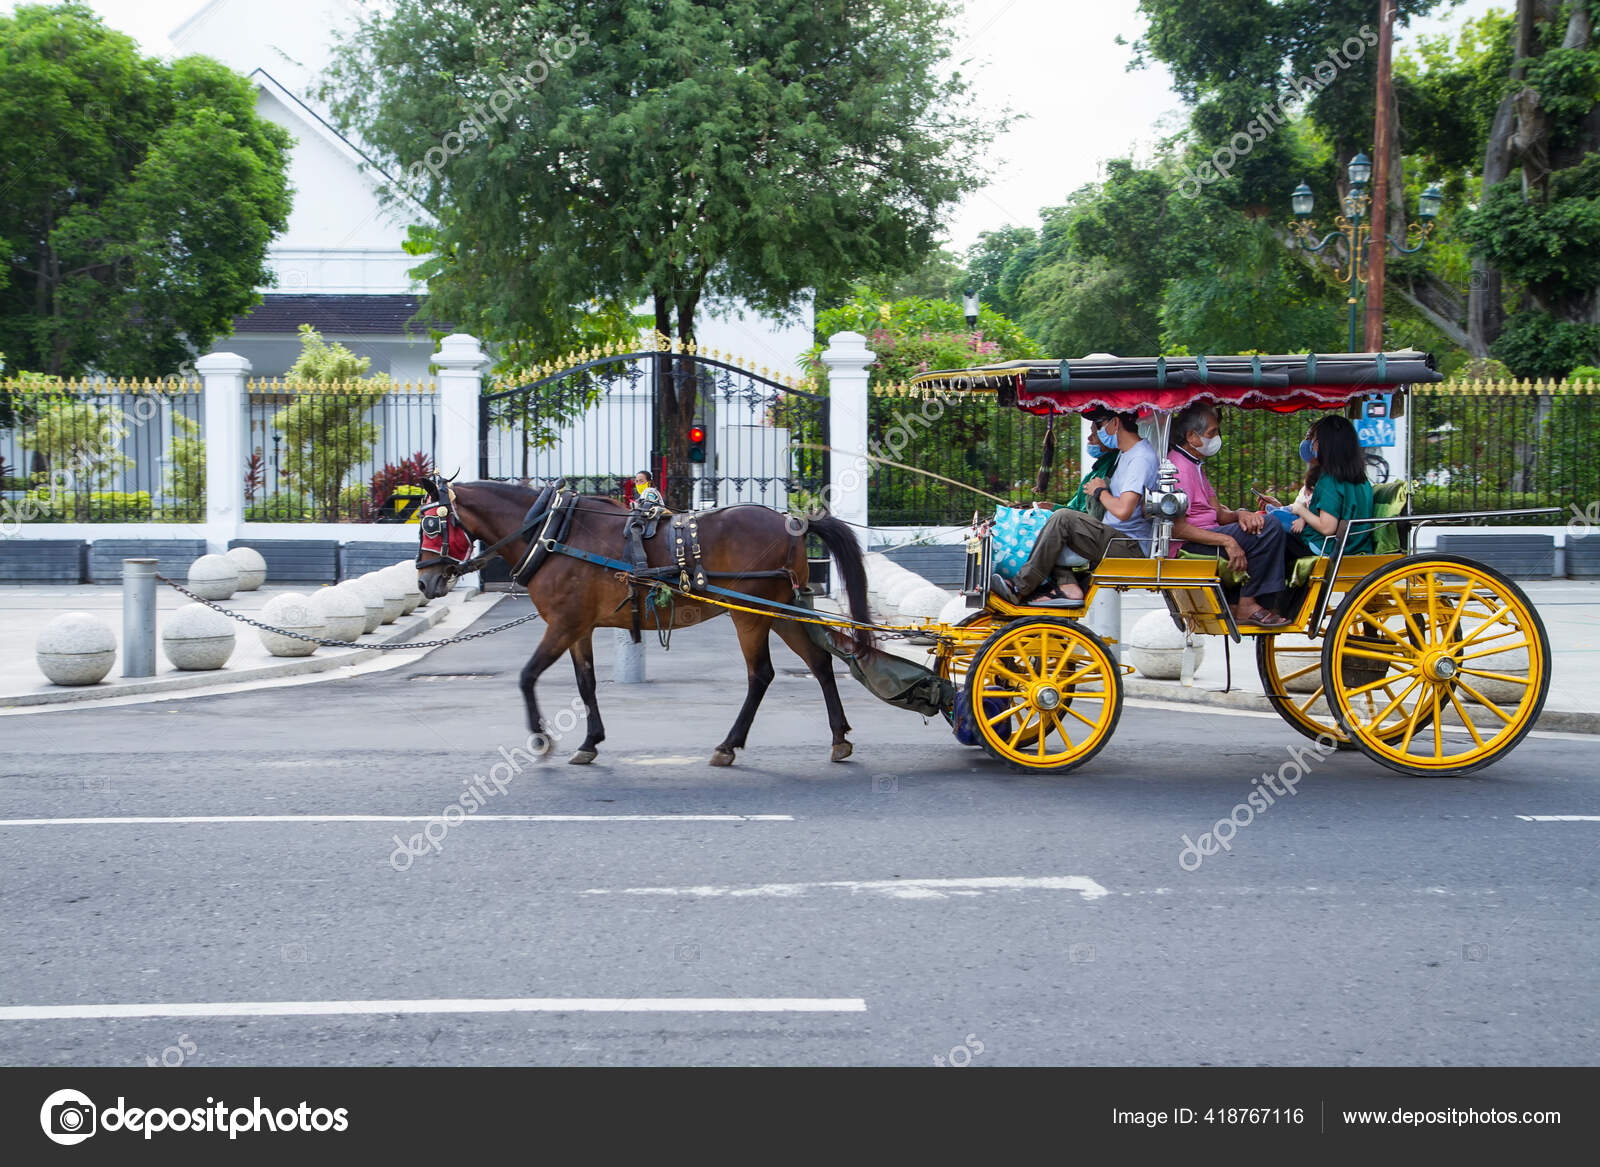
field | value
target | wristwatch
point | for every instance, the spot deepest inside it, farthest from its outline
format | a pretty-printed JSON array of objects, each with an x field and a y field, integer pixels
[{"x": 1098, "y": 491}]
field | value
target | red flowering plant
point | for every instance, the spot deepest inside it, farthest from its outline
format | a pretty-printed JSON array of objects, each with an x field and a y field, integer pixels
[{"x": 381, "y": 489}]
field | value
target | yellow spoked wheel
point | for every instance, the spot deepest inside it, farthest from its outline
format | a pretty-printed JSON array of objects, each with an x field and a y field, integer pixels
[
  {"x": 1045, "y": 694},
  {"x": 1459, "y": 665}
]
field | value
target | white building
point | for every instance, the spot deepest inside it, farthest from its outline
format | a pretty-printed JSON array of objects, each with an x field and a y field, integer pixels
[{"x": 340, "y": 265}]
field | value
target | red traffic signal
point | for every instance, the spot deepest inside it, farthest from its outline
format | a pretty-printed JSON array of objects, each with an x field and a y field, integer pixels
[
  {"x": 697, "y": 443},
  {"x": 697, "y": 433}
]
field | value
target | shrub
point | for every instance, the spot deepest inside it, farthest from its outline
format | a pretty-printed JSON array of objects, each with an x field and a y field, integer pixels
[
  {"x": 97, "y": 506},
  {"x": 410, "y": 472},
  {"x": 279, "y": 508}
]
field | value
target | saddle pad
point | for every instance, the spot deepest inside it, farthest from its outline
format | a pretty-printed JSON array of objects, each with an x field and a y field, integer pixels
[{"x": 1016, "y": 529}]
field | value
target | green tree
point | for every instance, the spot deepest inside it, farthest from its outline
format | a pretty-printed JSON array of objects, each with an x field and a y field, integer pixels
[
  {"x": 140, "y": 197},
  {"x": 632, "y": 150},
  {"x": 326, "y": 433}
]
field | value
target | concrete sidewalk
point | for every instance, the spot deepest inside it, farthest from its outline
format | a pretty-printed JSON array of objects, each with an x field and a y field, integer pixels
[{"x": 25, "y": 609}]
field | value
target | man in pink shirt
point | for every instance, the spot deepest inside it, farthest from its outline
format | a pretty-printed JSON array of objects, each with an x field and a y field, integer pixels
[{"x": 1250, "y": 541}]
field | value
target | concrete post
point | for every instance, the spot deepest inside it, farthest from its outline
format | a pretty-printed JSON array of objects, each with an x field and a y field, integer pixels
[
  {"x": 224, "y": 376},
  {"x": 1104, "y": 619},
  {"x": 461, "y": 363},
  {"x": 139, "y": 617},
  {"x": 628, "y": 666},
  {"x": 848, "y": 359}
]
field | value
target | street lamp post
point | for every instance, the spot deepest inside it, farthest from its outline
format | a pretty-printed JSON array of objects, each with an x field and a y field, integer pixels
[{"x": 1352, "y": 227}]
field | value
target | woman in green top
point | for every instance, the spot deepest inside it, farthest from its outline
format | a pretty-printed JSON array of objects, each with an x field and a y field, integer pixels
[{"x": 1338, "y": 484}]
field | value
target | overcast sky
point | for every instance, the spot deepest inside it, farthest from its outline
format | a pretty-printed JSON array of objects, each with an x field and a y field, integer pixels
[{"x": 1055, "y": 60}]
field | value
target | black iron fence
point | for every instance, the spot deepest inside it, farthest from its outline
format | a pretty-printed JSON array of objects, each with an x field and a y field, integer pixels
[
  {"x": 334, "y": 452},
  {"x": 101, "y": 452},
  {"x": 605, "y": 417},
  {"x": 966, "y": 438}
]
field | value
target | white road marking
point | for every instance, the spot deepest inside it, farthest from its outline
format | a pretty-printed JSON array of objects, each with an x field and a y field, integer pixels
[
  {"x": 903, "y": 889},
  {"x": 1560, "y": 818},
  {"x": 440, "y": 1005},
  {"x": 399, "y": 818}
]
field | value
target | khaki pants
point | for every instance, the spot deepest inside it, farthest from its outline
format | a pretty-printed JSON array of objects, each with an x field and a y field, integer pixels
[{"x": 1065, "y": 529}]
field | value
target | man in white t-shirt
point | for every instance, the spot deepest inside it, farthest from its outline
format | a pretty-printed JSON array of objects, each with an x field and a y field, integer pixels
[{"x": 1071, "y": 537}]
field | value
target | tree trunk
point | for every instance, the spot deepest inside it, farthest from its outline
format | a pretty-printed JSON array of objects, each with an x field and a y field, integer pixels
[
  {"x": 1386, "y": 178},
  {"x": 1486, "y": 315}
]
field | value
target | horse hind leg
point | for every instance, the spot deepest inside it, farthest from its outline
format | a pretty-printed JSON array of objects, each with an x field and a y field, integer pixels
[
  {"x": 583, "y": 665},
  {"x": 821, "y": 666},
  {"x": 759, "y": 673}
]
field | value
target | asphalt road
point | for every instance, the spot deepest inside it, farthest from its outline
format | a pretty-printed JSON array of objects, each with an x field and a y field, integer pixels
[{"x": 1367, "y": 920}]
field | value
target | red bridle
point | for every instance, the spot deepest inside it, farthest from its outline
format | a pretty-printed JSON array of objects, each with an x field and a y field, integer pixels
[{"x": 443, "y": 536}]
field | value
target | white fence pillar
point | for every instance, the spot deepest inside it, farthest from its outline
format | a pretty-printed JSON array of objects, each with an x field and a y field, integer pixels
[
  {"x": 848, "y": 359},
  {"x": 224, "y": 375},
  {"x": 461, "y": 363}
]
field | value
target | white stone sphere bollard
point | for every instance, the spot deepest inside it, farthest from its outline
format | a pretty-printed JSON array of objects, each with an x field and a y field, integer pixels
[
  {"x": 371, "y": 597},
  {"x": 196, "y": 637},
  {"x": 293, "y": 612},
  {"x": 213, "y": 577},
  {"x": 252, "y": 567},
  {"x": 406, "y": 575},
  {"x": 1156, "y": 647},
  {"x": 394, "y": 600},
  {"x": 343, "y": 612},
  {"x": 76, "y": 648}
]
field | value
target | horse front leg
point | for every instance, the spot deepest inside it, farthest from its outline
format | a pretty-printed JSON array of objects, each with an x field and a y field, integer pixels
[
  {"x": 583, "y": 665},
  {"x": 821, "y": 666},
  {"x": 550, "y": 648},
  {"x": 759, "y": 673}
]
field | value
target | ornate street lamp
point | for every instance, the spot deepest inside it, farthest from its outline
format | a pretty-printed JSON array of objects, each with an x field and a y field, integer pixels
[{"x": 1352, "y": 227}]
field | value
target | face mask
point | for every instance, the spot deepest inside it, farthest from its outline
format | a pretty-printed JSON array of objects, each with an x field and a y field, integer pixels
[
  {"x": 1107, "y": 441},
  {"x": 1209, "y": 447},
  {"x": 1307, "y": 452}
]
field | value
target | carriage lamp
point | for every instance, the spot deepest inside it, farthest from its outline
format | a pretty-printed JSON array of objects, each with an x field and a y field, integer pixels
[
  {"x": 1354, "y": 228},
  {"x": 1167, "y": 505}
]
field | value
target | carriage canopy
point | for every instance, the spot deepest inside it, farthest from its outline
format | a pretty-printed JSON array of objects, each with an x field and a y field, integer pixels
[{"x": 1281, "y": 383}]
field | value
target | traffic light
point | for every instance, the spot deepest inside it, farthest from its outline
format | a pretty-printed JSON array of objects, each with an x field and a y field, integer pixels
[{"x": 697, "y": 443}]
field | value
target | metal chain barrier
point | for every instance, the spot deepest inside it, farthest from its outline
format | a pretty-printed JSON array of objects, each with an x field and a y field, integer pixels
[{"x": 408, "y": 644}]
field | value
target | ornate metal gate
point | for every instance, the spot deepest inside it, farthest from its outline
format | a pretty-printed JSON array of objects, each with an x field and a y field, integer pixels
[{"x": 597, "y": 420}]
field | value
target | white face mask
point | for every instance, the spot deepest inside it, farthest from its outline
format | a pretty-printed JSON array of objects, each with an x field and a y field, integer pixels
[{"x": 1210, "y": 446}]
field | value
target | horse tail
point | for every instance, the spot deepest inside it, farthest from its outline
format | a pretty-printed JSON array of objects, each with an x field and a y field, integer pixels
[{"x": 842, "y": 544}]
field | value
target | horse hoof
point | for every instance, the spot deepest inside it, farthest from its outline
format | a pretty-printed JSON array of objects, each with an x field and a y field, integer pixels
[
  {"x": 721, "y": 757},
  {"x": 840, "y": 752},
  {"x": 583, "y": 757}
]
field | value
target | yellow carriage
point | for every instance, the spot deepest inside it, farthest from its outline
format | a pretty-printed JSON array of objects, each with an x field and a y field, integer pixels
[{"x": 1427, "y": 663}]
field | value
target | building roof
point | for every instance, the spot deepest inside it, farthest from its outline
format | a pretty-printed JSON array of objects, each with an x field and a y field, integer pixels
[{"x": 383, "y": 315}]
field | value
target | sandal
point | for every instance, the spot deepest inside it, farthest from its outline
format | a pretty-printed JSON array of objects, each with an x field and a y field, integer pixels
[
  {"x": 1053, "y": 597},
  {"x": 1261, "y": 618}
]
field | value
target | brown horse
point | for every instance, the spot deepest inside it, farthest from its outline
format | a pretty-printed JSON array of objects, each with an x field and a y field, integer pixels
[{"x": 574, "y": 597}]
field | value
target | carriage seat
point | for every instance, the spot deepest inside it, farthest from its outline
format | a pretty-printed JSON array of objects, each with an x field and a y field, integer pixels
[{"x": 1388, "y": 500}]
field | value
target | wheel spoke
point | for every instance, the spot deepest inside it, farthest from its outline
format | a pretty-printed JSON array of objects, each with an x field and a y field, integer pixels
[
  {"x": 1382, "y": 683},
  {"x": 1509, "y": 678},
  {"x": 1309, "y": 702},
  {"x": 1404, "y": 606},
  {"x": 1011, "y": 711},
  {"x": 1438, "y": 726},
  {"x": 1081, "y": 717},
  {"x": 1484, "y": 701},
  {"x": 1395, "y": 704},
  {"x": 1372, "y": 622},
  {"x": 1492, "y": 620},
  {"x": 1495, "y": 651},
  {"x": 1461, "y": 712},
  {"x": 1027, "y": 722},
  {"x": 1367, "y": 654},
  {"x": 1411, "y": 727}
]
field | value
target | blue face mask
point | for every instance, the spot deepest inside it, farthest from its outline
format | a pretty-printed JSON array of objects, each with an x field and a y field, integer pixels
[
  {"x": 1307, "y": 454},
  {"x": 1107, "y": 441}
]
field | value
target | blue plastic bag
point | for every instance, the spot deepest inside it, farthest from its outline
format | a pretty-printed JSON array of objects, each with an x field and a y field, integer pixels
[{"x": 1016, "y": 529}]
